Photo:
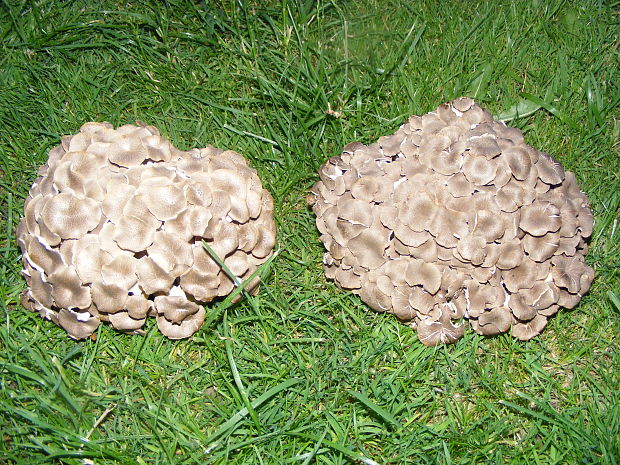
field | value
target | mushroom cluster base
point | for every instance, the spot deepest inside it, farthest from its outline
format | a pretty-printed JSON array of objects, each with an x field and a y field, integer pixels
[
  {"x": 114, "y": 226},
  {"x": 454, "y": 217}
]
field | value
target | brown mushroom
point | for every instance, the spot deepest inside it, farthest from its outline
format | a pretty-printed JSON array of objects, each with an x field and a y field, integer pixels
[
  {"x": 540, "y": 218},
  {"x": 454, "y": 216},
  {"x": 70, "y": 217},
  {"x": 79, "y": 325},
  {"x": 185, "y": 316},
  {"x": 495, "y": 321},
  {"x": 116, "y": 220},
  {"x": 527, "y": 330},
  {"x": 432, "y": 332}
]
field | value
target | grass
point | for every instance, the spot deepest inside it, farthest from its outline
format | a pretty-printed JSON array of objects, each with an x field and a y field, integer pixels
[{"x": 307, "y": 374}]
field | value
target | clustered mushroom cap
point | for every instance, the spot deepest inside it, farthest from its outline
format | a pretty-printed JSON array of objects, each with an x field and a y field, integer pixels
[
  {"x": 454, "y": 216},
  {"x": 113, "y": 230}
]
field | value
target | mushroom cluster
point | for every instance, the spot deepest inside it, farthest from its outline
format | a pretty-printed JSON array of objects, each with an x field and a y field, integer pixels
[
  {"x": 113, "y": 230},
  {"x": 454, "y": 217}
]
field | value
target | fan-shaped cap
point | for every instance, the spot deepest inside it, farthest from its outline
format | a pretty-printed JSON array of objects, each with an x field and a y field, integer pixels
[
  {"x": 369, "y": 247},
  {"x": 540, "y": 296},
  {"x": 177, "y": 317},
  {"x": 108, "y": 297},
  {"x": 79, "y": 325},
  {"x": 133, "y": 234},
  {"x": 489, "y": 225},
  {"x": 124, "y": 322},
  {"x": 165, "y": 202},
  {"x": 67, "y": 289},
  {"x": 518, "y": 160},
  {"x": 87, "y": 257},
  {"x": 127, "y": 151},
  {"x": 70, "y": 217},
  {"x": 541, "y": 248},
  {"x": 483, "y": 146},
  {"x": 567, "y": 272},
  {"x": 527, "y": 330},
  {"x": 432, "y": 332},
  {"x": 549, "y": 170},
  {"x": 540, "y": 218},
  {"x": 427, "y": 275},
  {"x": 495, "y": 321},
  {"x": 121, "y": 270},
  {"x": 170, "y": 254},
  {"x": 472, "y": 248},
  {"x": 39, "y": 255},
  {"x": 479, "y": 170}
]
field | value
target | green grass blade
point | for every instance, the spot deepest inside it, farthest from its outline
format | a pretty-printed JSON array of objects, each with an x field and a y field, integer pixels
[
  {"x": 381, "y": 412},
  {"x": 241, "y": 414}
]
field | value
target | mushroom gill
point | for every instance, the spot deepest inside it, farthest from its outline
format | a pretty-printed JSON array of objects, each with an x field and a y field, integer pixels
[
  {"x": 455, "y": 217},
  {"x": 113, "y": 230}
]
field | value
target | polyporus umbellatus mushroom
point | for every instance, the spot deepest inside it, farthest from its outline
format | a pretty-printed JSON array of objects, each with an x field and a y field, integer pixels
[
  {"x": 453, "y": 217},
  {"x": 113, "y": 231}
]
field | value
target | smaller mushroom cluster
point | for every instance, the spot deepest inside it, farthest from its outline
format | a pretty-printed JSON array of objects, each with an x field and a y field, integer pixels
[
  {"x": 114, "y": 226},
  {"x": 454, "y": 216}
]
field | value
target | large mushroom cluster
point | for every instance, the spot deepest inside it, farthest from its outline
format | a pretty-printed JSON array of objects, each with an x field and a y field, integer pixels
[
  {"x": 113, "y": 231},
  {"x": 454, "y": 217}
]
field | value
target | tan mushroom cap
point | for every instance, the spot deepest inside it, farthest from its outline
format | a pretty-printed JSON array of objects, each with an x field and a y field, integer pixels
[
  {"x": 567, "y": 272},
  {"x": 377, "y": 300},
  {"x": 39, "y": 290},
  {"x": 87, "y": 257},
  {"x": 115, "y": 200},
  {"x": 540, "y": 296},
  {"x": 171, "y": 255},
  {"x": 373, "y": 243},
  {"x": 427, "y": 275},
  {"x": 520, "y": 309},
  {"x": 524, "y": 275},
  {"x": 67, "y": 289},
  {"x": 527, "y": 330},
  {"x": 510, "y": 254},
  {"x": 432, "y": 332},
  {"x": 202, "y": 286},
  {"x": 40, "y": 255},
  {"x": 133, "y": 234},
  {"x": 79, "y": 325},
  {"x": 549, "y": 170},
  {"x": 489, "y": 225},
  {"x": 127, "y": 151},
  {"x": 495, "y": 321},
  {"x": 454, "y": 216},
  {"x": 121, "y": 270},
  {"x": 540, "y": 218},
  {"x": 518, "y": 160},
  {"x": 70, "y": 217},
  {"x": 165, "y": 202},
  {"x": 541, "y": 248},
  {"x": 177, "y": 317},
  {"x": 124, "y": 322},
  {"x": 418, "y": 212},
  {"x": 108, "y": 297},
  {"x": 479, "y": 170},
  {"x": 472, "y": 248}
]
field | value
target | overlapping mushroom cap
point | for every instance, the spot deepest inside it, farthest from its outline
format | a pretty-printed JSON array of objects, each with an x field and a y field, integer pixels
[
  {"x": 113, "y": 230},
  {"x": 453, "y": 217}
]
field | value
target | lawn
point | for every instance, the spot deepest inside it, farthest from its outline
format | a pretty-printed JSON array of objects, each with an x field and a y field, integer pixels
[{"x": 307, "y": 373}]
